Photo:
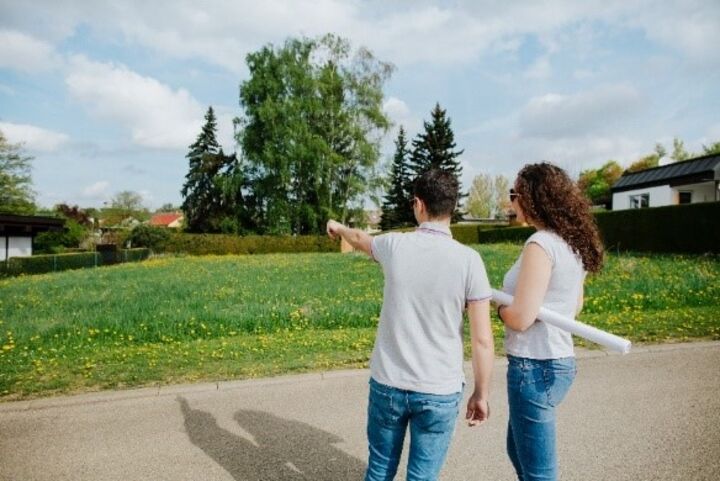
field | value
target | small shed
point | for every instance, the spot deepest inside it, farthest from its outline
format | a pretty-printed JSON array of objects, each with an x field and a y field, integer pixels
[{"x": 18, "y": 231}]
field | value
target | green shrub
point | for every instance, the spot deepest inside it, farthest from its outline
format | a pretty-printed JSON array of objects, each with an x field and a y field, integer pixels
[
  {"x": 465, "y": 233},
  {"x": 221, "y": 244},
  {"x": 506, "y": 234},
  {"x": 149, "y": 236},
  {"x": 58, "y": 241}
]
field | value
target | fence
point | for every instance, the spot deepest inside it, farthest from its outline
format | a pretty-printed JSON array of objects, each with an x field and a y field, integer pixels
[{"x": 59, "y": 262}]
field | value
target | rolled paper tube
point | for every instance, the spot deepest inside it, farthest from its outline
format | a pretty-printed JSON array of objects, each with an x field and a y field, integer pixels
[{"x": 611, "y": 341}]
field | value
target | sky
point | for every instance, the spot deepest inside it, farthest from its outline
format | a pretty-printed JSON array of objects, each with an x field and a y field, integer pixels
[{"x": 107, "y": 96}]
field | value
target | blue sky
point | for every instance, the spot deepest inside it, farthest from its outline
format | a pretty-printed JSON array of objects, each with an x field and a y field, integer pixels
[{"x": 106, "y": 96}]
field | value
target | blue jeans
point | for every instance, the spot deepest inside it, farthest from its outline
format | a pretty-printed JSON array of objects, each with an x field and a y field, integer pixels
[
  {"x": 432, "y": 421},
  {"x": 535, "y": 388}
]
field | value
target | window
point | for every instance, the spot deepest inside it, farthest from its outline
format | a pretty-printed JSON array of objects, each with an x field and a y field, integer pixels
[
  {"x": 639, "y": 201},
  {"x": 685, "y": 197}
]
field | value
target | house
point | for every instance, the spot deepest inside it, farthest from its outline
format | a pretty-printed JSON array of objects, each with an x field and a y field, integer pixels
[
  {"x": 17, "y": 233},
  {"x": 686, "y": 182},
  {"x": 173, "y": 220}
]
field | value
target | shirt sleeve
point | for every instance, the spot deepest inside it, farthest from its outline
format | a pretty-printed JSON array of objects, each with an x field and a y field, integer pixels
[
  {"x": 380, "y": 247},
  {"x": 478, "y": 287},
  {"x": 546, "y": 242}
]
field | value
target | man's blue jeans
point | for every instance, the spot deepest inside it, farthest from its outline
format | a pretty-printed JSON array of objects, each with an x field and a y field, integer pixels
[
  {"x": 432, "y": 421},
  {"x": 535, "y": 389}
]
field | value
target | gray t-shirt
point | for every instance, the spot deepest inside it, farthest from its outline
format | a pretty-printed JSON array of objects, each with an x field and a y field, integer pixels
[
  {"x": 429, "y": 279},
  {"x": 541, "y": 340}
]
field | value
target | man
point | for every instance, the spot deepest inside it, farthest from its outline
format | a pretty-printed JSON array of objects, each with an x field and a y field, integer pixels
[{"x": 417, "y": 364}]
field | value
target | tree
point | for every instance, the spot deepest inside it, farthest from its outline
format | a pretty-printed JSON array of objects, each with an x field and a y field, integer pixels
[
  {"x": 647, "y": 162},
  {"x": 502, "y": 196},
  {"x": 435, "y": 149},
  {"x": 711, "y": 149},
  {"x": 396, "y": 210},
  {"x": 202, "y": 195},
  {"x": 124, "y": 206},
  {"x": 75, "y": 213},
  {"x": 481, "y": 199},
  {"x": 16, "y": 194},
  {"x": 167, "y": 207},
  {"x": 310, "y": 132},
  {"x": 596, "y": 183},
  {"x": 488, "y": 197},
  {"x": 679, "y": 153}
]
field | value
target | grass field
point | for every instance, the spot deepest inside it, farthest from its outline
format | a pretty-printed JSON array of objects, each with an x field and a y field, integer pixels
[{"x": 171, "y": 320}]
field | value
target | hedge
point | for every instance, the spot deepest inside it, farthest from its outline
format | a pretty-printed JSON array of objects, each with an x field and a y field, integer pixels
[
  {"x": 221, "y": 244},
  {"x": 465, "y": 233},
  {"x": 689, "y": 228},
  {"x": 59, "y": 262},
  {"x": 507, "y": 234}
]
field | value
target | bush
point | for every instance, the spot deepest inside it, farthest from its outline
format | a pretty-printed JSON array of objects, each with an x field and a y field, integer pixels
[
  {"x": 465, "y": 233},
  {"x": 221, "y": 244},
  {"x": 506, "y": 234},
  {"x": 59, "y": 241},
  {"x": 60, "y": 262},
  {"x": 149, "y": 236}
]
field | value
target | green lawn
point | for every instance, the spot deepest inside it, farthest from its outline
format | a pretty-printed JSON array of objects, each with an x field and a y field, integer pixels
[{"x": 171, "y": 320}]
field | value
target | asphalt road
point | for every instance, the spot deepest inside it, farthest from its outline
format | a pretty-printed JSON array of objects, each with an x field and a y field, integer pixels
[{"x": 651, "y": 415}]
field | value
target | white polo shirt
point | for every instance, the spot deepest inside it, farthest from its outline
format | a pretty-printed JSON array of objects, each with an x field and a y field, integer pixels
[{"x": 429, "y": 279}]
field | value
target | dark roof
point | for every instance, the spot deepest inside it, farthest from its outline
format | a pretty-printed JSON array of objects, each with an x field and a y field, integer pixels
[
  {"x": 28, "y": 224},
  {"x": 689, "y": 171}
]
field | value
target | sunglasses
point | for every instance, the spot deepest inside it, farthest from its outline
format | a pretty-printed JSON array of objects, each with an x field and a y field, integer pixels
[{"x": 513, "y": 195}]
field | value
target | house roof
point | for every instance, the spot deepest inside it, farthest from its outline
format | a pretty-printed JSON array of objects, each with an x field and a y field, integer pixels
[
  {"x": 28, "y": 224},
  {"x": 165, "y": 219},
  {"x": 690, "y": 171}
]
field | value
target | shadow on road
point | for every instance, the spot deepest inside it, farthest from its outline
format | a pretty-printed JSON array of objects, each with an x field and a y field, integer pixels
[{"x": 283, "y": 449}]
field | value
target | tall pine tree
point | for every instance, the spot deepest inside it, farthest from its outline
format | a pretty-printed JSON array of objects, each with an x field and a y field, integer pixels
[
  {"x": 435, "y": 149},
  {"x": 396, "y": 210},
  {"x": 202, "y": 197}
]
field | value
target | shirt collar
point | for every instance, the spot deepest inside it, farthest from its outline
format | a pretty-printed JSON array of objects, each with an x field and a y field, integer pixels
[{"x": 435, "y": 228}]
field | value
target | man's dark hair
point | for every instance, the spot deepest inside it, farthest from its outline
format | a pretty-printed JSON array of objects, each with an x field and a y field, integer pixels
[{"x": 439, "y": 191}]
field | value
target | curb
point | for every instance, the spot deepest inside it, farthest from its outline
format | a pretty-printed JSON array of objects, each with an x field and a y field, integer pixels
[{"x": 179, "y": 389}]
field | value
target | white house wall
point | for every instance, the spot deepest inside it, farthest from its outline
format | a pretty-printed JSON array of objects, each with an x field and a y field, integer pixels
[
  {"x": 659, "y": 196},
  {"x": 3, "y": 251},
  {"x": 700, "y": 192},
  {"x": 20, "y": 247}
]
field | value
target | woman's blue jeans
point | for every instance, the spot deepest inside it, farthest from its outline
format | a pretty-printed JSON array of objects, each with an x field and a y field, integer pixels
[
  {"x": 432, "y": 422},
  {"x": 535, "y": 388}
]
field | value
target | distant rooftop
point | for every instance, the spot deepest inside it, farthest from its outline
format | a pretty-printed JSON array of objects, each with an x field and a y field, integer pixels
[{"x": 700, "y": 169}]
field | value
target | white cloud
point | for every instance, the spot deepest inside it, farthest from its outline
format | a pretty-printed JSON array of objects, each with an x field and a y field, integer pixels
[
  {"x": 401, "y": 32},
  {"x": 557, "y": 116},
  {"x": 400, "y": 114},
  {"x": 99, "y": 190},
  {"x": 687, "y": 26},
  {"x": 540, "y": 69},
  {"x": 156, "y": 115},
  {"x": 25, "y": 53},
  {"x": 32, "y": 137}
]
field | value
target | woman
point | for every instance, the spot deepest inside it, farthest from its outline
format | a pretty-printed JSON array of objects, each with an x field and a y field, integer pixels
[{"x": 549, "y": 272}]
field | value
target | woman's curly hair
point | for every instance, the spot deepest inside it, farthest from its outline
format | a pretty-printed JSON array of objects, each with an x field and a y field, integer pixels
[{"x": 549, "y": 197}]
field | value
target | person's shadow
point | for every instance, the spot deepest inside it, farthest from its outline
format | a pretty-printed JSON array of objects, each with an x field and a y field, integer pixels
[{"x": 284, "y": 449}]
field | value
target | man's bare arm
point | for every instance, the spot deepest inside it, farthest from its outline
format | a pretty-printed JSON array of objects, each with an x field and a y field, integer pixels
[
  {"x": 483, "y": 357},
  {"x": 360, "y": 240}
]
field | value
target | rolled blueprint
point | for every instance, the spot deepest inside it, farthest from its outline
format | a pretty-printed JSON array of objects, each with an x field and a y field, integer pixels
[{"x": 611, "y": 341}]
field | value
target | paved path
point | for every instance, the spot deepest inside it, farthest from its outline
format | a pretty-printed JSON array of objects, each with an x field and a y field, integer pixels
[{"x": 651, "y": 415}]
